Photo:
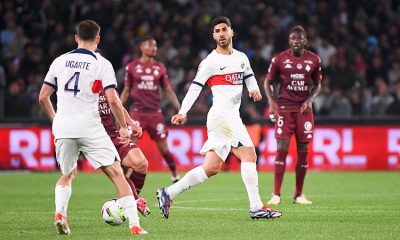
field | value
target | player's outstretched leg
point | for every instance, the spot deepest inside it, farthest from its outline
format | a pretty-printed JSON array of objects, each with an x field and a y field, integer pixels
[
  {"x": 125, "y": 197},
  {"x": 266, "y": 213},
  {"x": 142, "y": 206},
  {"x": 164, "y": 202}
]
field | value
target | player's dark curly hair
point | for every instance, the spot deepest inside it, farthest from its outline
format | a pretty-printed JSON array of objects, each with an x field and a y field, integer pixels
[
  {"x": 298, "y": 29},
  {"x": 146, "y": 38},
  {"x": 221, "y": 19}
]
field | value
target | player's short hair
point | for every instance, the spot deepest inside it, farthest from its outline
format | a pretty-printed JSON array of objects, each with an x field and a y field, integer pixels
[
  {"x": 146, "y": 38},
  {"x": 221, "y": 19},
  {"x": 298, "y": 29},
  {"x": 87, "y": 30}
]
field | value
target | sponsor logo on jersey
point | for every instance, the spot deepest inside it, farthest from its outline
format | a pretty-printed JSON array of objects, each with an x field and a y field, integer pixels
[
  {"x": 234, "y": 78},
  {"x": 297, "y": 85},
  {"x": 287, "y": 61},
  {"x": 299, "y": 66},
  {"x": 308, "y": 62},
  {"x": 242, "y": 65},
  {"x": 288, "y": 66},
  {"x": 297, "y": 76},
  {"x": 226, "y": 79},
  {"x": 147, "y": 78},
  {"x": 222, "y": 68}
]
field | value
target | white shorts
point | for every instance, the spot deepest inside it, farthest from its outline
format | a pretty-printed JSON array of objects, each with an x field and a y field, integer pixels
[
  {"x": 223, "y": 134},
  {"x": 100, "y": 151}
]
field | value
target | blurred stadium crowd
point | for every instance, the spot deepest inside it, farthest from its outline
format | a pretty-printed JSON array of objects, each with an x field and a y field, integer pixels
[{"x": 358, "y": 41}]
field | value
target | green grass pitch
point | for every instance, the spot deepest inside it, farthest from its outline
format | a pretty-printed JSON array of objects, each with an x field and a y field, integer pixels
[{"x": 346, "y": 205}]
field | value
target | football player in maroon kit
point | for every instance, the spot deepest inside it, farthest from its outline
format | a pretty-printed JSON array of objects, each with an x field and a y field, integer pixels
[
  {"x": 300, "y": 78},
  {"x": 132, "y": 158},
  {"x": 143, "y": 79}
]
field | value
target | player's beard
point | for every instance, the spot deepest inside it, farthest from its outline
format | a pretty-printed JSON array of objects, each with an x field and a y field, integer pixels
[{"x": 226, "y": 44}]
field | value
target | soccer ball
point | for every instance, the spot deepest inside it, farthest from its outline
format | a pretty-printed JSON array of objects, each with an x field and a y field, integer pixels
[{"x": 112, "y": 213}]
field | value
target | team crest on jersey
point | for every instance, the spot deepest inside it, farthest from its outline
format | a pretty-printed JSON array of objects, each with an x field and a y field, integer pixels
[
  {"x": 148, "y": 70},
  {"x": 156, "y": 72},
  {"x": 242, "y": 65},
  {"x": 308, "y": 68},
  {"x": 299, "y": 66}
]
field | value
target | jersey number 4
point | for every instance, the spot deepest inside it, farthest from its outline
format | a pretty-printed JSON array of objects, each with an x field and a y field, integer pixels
[{"x": 68, "y": 84}]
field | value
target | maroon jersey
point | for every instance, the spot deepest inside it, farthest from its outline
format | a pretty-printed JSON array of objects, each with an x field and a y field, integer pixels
[
  {"x": 106, "y": 116},
  {"x": 296, "y": 77},
  {"x": 145, "y": 81}
]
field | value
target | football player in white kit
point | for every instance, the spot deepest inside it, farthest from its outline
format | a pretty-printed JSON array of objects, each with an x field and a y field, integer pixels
[
  {"x": 77, "y": 78},
  {"x": 224, "y": 70}
]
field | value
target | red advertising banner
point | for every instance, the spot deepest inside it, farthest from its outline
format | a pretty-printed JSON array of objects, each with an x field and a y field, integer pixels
[{"x": 334, "y": 148}]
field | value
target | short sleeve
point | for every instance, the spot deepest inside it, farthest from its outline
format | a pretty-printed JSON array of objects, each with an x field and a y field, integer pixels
[
  {"x": 203, "y": 73},
  {"x": 51, "y": 78},
  {"x": 273, "y": 69},
  {"x": 108, "y": 76},
  {"x": 317, "y": 74}
]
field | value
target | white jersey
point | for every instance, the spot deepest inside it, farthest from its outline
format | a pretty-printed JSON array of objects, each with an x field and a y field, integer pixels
[
  {"x": 225, "y": 75},
  {"x": 73, "y": 75}
]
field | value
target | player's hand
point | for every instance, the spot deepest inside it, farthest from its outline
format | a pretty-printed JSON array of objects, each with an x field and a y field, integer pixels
[
  {"x": 256, "y": 95},
  {"x": 306, "y": 106},
  {"x": 178, "y": 119},
  {"x": 273, "y": 111},
  {"x": 124, "y": 135},
  {"x": 136, "y": 130}
]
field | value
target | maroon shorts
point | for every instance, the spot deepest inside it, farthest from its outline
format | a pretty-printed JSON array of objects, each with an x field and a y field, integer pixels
[
  {"x": 289, "y": 122},
  {"x": 153, "y": 123},
  {"x": 123, "y": 149}
]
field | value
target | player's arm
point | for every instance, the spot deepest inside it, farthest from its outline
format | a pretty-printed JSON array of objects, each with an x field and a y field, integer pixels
[
  {"x": 118, "y": 111},
  {"x": 269, "y": 89},
  {"x": 169, "y": 93},
  {"x": 190, "y": 97},
  {"x": 203, "y": 73},
  {"x": 45, "y": 102},
  {"x": 125, "y": 95},
  {"x": 251, "y": 82},
  {"x": 171, "y": 96},
  {"x": 316, "y": 88},
  {"x": 127, "y": 86},
  {"x": 134, "y": 126},
  {"x": 48, "y": 87}
]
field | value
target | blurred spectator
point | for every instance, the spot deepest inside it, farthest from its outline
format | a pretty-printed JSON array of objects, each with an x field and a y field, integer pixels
[
  {"x": 394, "y": 75},
  {"x": 383, "y": 98},
  {"x": 394, "y": 107},
  {"x": 338, "y": 105},
  {"x": 357, "y": 40},
  {"x": 16, "y": 102},
  {"x": 325, "y": 50}
]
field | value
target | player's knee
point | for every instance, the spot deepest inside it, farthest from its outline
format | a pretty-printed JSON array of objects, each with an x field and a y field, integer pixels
[
  {"x": 252, "y": 157},
  {"x": 142, "y": 166},
  {"x": 113, "y": 170},
  {"x": 211, "y": 170}
]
